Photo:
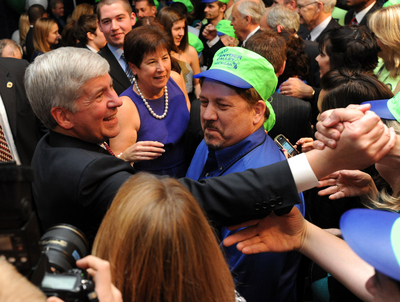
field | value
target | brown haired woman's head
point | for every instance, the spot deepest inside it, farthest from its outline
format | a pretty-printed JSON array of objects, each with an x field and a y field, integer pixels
[
  {"x": 45, "y": 34},
  {"x": 160, "y": 245}
]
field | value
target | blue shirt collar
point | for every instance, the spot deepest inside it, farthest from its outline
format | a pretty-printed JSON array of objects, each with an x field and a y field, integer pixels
[{"x": 225, "y": 157}]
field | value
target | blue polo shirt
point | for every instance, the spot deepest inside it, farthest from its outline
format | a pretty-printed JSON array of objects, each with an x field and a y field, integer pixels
[{"x": 259, "y": 277}]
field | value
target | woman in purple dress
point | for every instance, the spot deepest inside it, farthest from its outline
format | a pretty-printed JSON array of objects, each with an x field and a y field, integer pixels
[{"x": 155, "y": 110}]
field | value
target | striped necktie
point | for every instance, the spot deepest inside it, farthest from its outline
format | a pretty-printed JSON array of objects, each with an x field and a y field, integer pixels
[
  {"x": 128, "y": 70},
  {"x": 5, "y": 153}
]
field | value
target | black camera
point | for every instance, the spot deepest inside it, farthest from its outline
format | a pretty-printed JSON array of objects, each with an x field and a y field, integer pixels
[{"x": 49, "y": 261}]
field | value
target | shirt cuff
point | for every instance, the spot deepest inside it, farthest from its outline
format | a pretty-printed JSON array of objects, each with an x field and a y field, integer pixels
[
  {"x": 213, "y": 42},
  {"x": 302, "y": 173}
]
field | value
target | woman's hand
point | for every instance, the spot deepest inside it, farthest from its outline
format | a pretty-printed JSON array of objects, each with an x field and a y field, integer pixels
[
  {"x": 297, "y": 88},
  {"x": 99, "y": 269},
  {"x": 347, "y": 183},
  {"x": 306, "y": 144},
  {"x": 143, "y": 150},
  {"x": 270, "y": 234}
]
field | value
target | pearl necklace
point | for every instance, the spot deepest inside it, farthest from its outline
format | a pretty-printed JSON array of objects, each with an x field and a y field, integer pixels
[{"x": 160, "y": 117}]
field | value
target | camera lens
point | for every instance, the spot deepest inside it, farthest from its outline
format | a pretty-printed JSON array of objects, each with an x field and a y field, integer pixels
[{"x": 64, "y": 244}]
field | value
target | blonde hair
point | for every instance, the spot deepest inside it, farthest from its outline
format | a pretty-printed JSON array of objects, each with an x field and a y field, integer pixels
[
  {"x": 16, "y": 288},
  {"x": 160, "y": 245},
  {"x": 385, "y": 24},
  {"x": 24, "y": 26},
  {"x": 82, "y": 9},
  {"x": 41, "y": 31}
]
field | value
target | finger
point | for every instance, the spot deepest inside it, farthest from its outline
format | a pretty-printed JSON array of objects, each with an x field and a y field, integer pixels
[
  {"x": 329, "y": 191},
  {"x": 255, "y": 249},
  {"x": 333, "y": 175},
  {"x": 340, "y": 115},
  {"x": 364, "y": 108},
  {"x": 243, "y": 225},
  {"x": 327, "y": 182},
  {"x": 385, "y": 149},
  {"x": 241, "y": 235},
  {"x": 150, "y": 144},
  {"x": 150, "y": 149}
]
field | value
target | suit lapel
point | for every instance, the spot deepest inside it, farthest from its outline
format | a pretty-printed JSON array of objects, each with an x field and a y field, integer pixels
[
  {"x": 116, "y": 71},
  {"x": 9, "y": 97}
]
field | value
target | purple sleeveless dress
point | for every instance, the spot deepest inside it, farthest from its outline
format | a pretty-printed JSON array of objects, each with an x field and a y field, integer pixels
[{"x": 170, "y": 130}]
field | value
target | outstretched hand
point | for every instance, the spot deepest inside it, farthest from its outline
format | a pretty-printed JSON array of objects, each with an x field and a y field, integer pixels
[
  {"x": 143, "y": 150},
  {"x": 270, "y": 234},
  {"x": 347, "y": 183}
]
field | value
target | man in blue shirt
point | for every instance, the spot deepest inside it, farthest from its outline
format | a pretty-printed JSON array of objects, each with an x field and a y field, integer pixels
[{"x": 234, "y": 108}]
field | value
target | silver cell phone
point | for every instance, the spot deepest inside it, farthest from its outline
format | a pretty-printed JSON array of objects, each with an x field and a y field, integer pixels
[{"x": 284, "y": 143}]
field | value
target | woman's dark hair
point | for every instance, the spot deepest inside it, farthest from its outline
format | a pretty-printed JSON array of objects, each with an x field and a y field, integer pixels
[
  {"x": 351, "y": 46},
  {"x": 68, "y": 37},
  {"x": 154, "y": 23},
  {"x": 85, "y": 24},
  {"x": 345, "y": 86},
  {"x": 168, "y": 16},
  {"x": 144, "y": 40},
  {"x": 297, "y": 62}
]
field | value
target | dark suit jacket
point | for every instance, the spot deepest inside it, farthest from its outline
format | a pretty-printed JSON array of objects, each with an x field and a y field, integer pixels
[
  {"x": 120, "y": 80},
  {"x": 293, "y": 117},
  {"x": 24, "y": 125},
  {"x": 208, "y": 53},
  {"x": 351, "y": 12},
  {"x": 331, "y": 25},
  {"x": 75, "y": 182},
  {"x": 311, "y": 49},
  {"x": 29, "y": 44},
  {"x": 303, "y": 31}
]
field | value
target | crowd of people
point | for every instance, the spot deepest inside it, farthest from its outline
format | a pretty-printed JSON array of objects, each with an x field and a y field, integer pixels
[{"x": 192, "y": 95}]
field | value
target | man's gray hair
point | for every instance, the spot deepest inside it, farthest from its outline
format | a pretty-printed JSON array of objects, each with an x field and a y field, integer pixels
[
  {"x": 281, "y": 15},
  {"x": 329, "y": 5},
  {"x": 253, "y": 8},
  {"x": 13, "y": 48},
  {"x": 55, "y": 79}
]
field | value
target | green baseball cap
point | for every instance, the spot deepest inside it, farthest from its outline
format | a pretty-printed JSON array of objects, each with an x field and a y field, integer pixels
[
  {"x": 224, "y": 27},
  {"x": 195, "y": 42},
  {"x": 243, "y": 68}
]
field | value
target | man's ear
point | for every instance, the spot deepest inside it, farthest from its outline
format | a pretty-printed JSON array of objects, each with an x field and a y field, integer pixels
[
  {"x": 282, "y": 69},
  {"x": 154, "y": 10},
  {"x": 63, "y": 117},
  {"x": 133, "y": 19},
  {"x": 259, "y": 110},
  {"x": 293, "y": 5},
  {"x": 222, "y": 9},
  {"x": 90, "y": 36},
  {"x": 248, "y": 19}
]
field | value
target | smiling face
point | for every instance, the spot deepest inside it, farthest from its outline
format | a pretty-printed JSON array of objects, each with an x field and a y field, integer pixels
[
  {"x": 154, "y": 72},
  {"x": 54, "y": 36},
  {"x": 323, "y": 62},
  {"x": 226, "y": 117},
  {"x": 178, "y": 31},
  {"x": 115, "y": 22},
  {"x": 95, "y": 117}
]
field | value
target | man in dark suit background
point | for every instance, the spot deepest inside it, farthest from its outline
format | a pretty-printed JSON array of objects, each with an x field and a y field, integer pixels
[
  {"x": 317, "y": 18},
  {"x": 115, "y": 19},
  {"x": 359, "y": 11},
  {"x": 245, "y": 18},
  {"x": 35, "y": 11},
  {"x": 19, "y": 123}
]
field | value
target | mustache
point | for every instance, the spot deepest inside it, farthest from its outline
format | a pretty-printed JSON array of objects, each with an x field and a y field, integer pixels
[{"x": 209, "y": 124}]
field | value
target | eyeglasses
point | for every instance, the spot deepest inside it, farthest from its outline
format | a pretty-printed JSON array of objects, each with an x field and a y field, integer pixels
[{"x": 301, "y": 6}]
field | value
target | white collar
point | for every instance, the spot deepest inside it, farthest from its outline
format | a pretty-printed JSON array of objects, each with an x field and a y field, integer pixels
[
  {"x": 360, "y": 15},
  {"x": 317, "y": 30},
  {"x": 250, "y": 34}
]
